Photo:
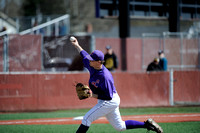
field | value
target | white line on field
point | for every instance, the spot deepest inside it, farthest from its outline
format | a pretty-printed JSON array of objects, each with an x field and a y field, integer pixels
[
  {"x": 11, "y": 122},
  {"x": 33, "y": 121}
]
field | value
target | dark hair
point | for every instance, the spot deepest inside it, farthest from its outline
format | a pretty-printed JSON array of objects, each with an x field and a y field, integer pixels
[{"x": 160, "y": 52}]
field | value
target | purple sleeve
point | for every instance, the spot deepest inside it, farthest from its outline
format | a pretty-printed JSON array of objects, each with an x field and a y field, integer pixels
[
  {"x": 86, "y": 62},
  {"x": 83, "y": 53}
]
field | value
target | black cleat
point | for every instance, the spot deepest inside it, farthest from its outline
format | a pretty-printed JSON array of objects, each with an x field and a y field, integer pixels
[{"x": 153, "y": 126}]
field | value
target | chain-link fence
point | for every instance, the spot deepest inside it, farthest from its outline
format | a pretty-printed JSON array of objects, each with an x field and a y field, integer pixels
[
  {"x": 151, "y": 43},
  {"x": 181, "y": 49},
  {"x": 28, "y": 53},
  {"x": 35, "y": 53},
  {"x": 20, "y": 53}
]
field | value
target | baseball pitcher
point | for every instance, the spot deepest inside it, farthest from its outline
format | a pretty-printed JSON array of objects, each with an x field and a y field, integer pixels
[{"x": 102, "y": 88}]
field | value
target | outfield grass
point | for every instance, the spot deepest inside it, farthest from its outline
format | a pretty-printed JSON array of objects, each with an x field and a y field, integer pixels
[
  {"x": 183, "y": 127},
  {"x": 81, "y": 112}
]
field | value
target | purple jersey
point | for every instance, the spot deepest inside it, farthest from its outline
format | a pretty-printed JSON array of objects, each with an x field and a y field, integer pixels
[{"x": 101, "y": 81}]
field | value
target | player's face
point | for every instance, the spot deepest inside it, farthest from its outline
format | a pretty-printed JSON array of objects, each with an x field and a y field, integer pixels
[
  {"x": 109, "y": 51},
  {"x": 96, "y": 64},
  {"x": 162, "y": 55}
]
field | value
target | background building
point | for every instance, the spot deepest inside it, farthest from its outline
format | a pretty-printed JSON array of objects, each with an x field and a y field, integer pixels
[{"x": 146, "y": 16}]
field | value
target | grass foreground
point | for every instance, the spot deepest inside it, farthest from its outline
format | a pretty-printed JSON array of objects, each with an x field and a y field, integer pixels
[
  {"x": 81, "y": 112},
  {"x": 182, "y": 127}
]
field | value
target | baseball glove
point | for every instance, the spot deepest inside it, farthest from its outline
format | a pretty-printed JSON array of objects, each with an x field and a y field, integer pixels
[{"x": 83, "y": 91}]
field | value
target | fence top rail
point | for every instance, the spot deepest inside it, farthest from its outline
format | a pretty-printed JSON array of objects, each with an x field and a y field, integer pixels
[
  {"x": 151, "y": 34},
  {"x": 44, "y": 24},
  {"x": 166, "y": 33},
  {"x": 42, "y": 72},
  {"x": 174, "y": 33}
]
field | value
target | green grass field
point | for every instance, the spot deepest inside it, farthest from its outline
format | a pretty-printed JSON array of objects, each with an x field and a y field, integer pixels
[{"x": 182, "y": 127}]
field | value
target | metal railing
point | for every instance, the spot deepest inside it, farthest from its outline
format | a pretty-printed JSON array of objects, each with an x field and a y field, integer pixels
[
  {"x": 5, "y": 37},
  {"x": 36, "y": 29}
]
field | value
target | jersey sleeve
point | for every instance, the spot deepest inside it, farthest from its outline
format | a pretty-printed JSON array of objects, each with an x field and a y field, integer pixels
[
  {"x": 85, "y": 57},
  {"x": 165, "y": 64}
]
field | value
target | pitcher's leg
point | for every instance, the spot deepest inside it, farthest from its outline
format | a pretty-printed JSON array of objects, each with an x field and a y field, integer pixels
[
  {"x": 99, "y": 110},
  {"x": 116, "y": 121},
  {"x": 102, "y": 108},
  {"x": 82, "y": 129},
  {"x": 90, "y": 116},
  {"x": 131, "y": 124}
]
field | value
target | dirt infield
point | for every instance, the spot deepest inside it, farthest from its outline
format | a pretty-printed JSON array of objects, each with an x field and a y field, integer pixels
[{"x": 160, "y": 118}]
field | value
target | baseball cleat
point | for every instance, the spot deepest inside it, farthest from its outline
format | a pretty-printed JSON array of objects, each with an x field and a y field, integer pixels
[{"x": 153, "y": 126}]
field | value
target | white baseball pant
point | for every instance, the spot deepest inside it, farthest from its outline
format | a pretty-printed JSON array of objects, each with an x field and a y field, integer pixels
[{"x": 109, "y": 109}]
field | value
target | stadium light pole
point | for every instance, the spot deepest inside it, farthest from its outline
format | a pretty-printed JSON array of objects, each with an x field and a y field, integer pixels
[{"x": 124, "y": 29}]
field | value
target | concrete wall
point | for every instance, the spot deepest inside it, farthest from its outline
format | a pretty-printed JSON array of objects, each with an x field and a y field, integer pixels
[{"x": 49, "y": 91}]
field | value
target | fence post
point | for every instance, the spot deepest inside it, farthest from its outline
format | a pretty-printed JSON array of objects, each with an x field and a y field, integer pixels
[
  {"x": 92, "y": 44},
  {"x": 5, "y": 53},
  {"x": 171, "y": 86},
  {"x": 56, "y": 29},
  {"x": 198, "y": 51},
  {"x": 48, "y": 27},
  {"x": 142, "y": 52},
  {"x": 181, "y": 51}
]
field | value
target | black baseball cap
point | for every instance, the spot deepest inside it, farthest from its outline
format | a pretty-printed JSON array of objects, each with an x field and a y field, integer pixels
[
  {"x": 160, "y": 52},
  {"x": 108, "y": 47}
]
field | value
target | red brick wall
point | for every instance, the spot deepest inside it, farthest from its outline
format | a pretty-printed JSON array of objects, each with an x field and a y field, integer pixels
[
  {"x": 187, "y": 86},
  {"x": 20, "y": 92}
]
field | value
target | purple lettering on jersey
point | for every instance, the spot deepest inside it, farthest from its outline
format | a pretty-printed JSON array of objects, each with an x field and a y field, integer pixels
[{"x": 95, "y": 83}]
